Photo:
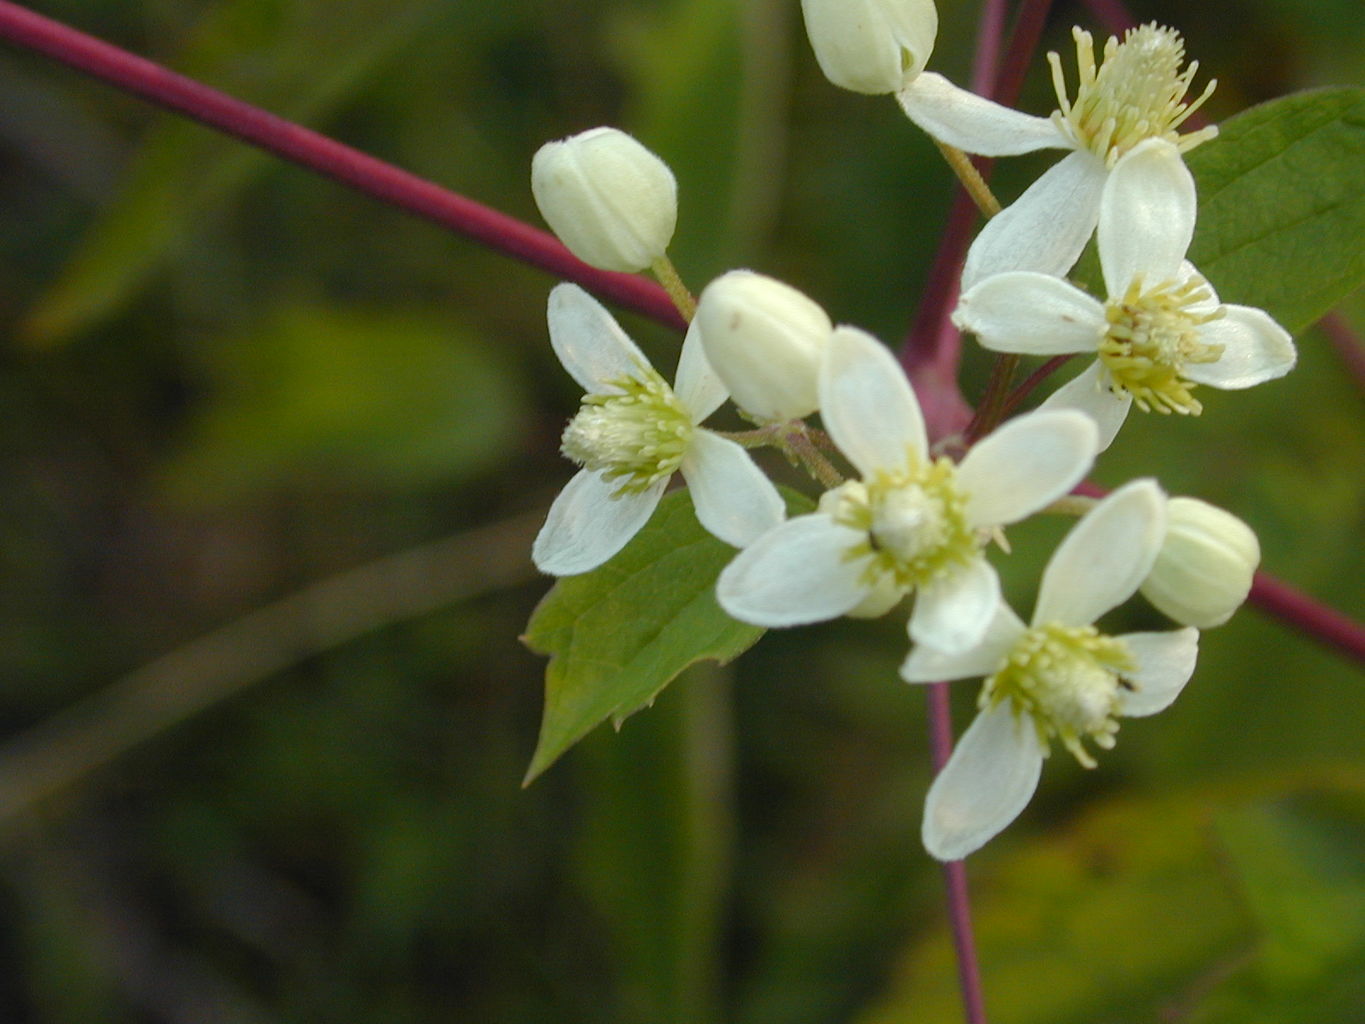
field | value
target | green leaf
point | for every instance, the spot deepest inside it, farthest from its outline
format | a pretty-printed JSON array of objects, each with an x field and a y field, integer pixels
[
  {"x": 1282, "y": 205},
  {"x": 618, "y": 635},
  {"x": 185, "y": 172}
]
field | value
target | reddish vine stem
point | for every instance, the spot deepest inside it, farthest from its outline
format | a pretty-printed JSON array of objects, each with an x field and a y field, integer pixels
[
  {"x": 399, "y": 188},
  {"x": 931, "y": 351},
  {"x": 955, "y": 872},
  {"x": 1348, "y": 345},
  {"x": 360, "y": 171},
  {"x": 935, "y": 346}
]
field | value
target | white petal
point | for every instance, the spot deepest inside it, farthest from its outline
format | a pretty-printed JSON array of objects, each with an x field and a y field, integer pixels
[
  {"x": 867, "y": 404},
  {"x": 1046, "y": 228},
  {"x": 1165, "y": 664},
  {"x": 985, "y": 784},
  {"x": 1087, "y": 393},
  {"x": 794, "y": 574},
  {"x": 1036, "y": 314},
  {"x": 587, "y": 524},
  {"x": 953, "y": 613},
  {"x": 588, "y": 340},
  {"x": 1147, "y": 213},
  {"x": 698, "y": 388},
  {"x": 928, "y": 665},
  {"x": 734, "y": 500},
  {"x": 974, "y": 124},
  {"x": 1100, "y": 563},
  {"x": 1026, "y": 464},
  {"x": 1255, "y": 349}
]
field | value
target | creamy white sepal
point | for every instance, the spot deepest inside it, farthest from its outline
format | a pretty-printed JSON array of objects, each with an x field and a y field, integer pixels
[
  {"x": 1165, "y": 663},
  {"x": 1026, "y": 464},
  {"x": 795, "y": 574},
  {"x": 697, "y": 385},
  {"x": 588, "y": 340},
  {"x": 1031, "y": 313},
  {"x": 1255, "y": 349},
  {"x": 928, "y": 665},
  {"x": 973, "y": 123},
  {"x": 1087, "y": 393},
  {"x": 868, "y": 406},
  {"x": 953, "y": 612},
  {"x": 860, "y": 44},
  {"x": 1046, "y": 228},
  {"x": 1147, "y": 213},
  {"x": 733, "y": 498},
  {"x": 1104, "y": 558},
  {"x": 988, "y": 780},
  {"x": 588, "y": 524}
]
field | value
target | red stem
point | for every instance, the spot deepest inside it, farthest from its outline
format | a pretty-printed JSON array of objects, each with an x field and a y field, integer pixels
[
  {"x": 1113, "y": 15},
  {"x": 1325, "y": 625},
  {"x": 932, "y": 351},
  {"x": 1348, "y": 346},
  {"x": 390, "y": 184},
  {"x": 955, "y": 872},
  {"x": 330, "y": 158},
  {"x": 1291, "y": 605}
]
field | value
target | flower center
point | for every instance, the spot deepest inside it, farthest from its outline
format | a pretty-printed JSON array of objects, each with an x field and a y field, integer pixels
[
  {"x": 1152, "y": 335},
  {"x": 915, "y": 524},
  {"x": 638, "y": 434},
  {"x": 1137, "y": 92},
  {"x": 1067, "y": 679}
]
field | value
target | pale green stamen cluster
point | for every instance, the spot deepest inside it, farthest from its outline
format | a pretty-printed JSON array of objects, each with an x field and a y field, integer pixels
[
  {"x": 915, "y": 523},
  {"x": 637, "y": 435},
  {"x": 1152, "y": 335},
  {"x": 1137, "y": 92},
  {"x": 1067, "y": 679}
]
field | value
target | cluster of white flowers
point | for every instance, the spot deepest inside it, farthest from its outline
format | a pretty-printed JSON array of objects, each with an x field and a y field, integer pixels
[{"x": 909, "y": 520}]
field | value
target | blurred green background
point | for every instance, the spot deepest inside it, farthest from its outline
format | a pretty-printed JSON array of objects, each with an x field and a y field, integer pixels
[{"x": 270, "y": 458}]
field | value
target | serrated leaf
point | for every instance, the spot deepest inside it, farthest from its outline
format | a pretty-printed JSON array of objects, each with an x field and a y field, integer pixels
[
  {"x": 618, "y": 635},
  {"x": 1282, "y": 205}
]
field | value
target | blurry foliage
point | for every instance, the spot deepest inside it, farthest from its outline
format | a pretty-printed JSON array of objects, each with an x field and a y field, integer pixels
[{"x": 266, "y": 380}]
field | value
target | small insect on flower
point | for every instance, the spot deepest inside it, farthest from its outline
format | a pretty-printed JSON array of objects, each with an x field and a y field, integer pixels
[{"x": 1059, "y": 677}]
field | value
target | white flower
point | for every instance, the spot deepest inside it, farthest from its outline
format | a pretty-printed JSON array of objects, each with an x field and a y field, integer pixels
[
  {"x": 765, "y": 340},
  {"x": 1206, "y": 564},
  {"x": 1162, "y": 330},
  {"x": 910, "y": 522},
  {"x": 871, "y": 46},
  {"x": 1058, "y": 677},
  {"x": 632, "y": 433},
  {"x": 607, "y": 197},
  {"x": 1138, "y": 92}
]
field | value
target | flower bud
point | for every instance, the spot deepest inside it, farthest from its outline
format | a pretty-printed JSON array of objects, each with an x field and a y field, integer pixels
[
  {"x": 871, "y": 46},
  {"x": 1204, "y": 570},
  {"x": 610, "y": 200},
  {"x": 764, "y": 339}
]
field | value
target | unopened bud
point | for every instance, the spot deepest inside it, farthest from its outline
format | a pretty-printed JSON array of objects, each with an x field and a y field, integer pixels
[
  {"x": 871, "y": 46},
  {"x": 610, "y": 200},
  {"x": 1204, "y": 570},
  {"x": 764, "y": 339}
]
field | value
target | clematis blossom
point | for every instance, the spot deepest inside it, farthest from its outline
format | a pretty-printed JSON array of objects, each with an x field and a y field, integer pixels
[
  {"x": 1162, "y": 330},
  {"x": 911, "y": 522},
  {"x": 631, "y": 435},
  {"x": 1057, "y": 678},
  {"x": 1137, "y": 92}
]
